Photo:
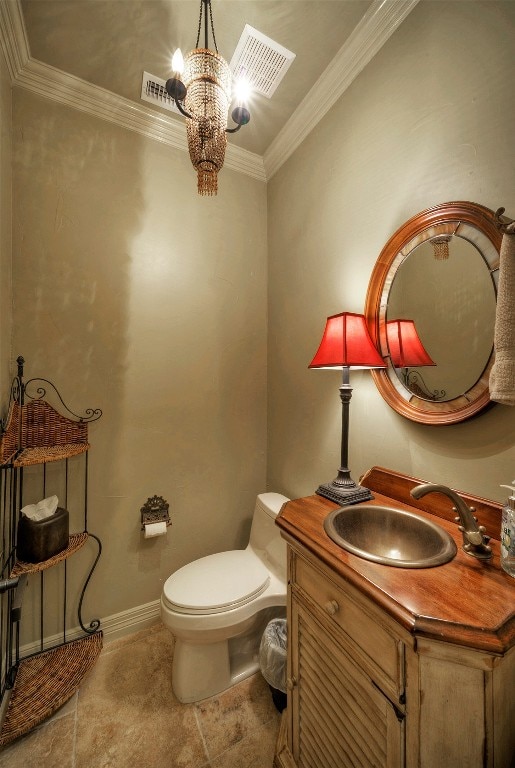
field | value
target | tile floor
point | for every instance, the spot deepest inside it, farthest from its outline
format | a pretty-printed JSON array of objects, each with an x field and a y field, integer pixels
[{"x": 125, "y": 714}]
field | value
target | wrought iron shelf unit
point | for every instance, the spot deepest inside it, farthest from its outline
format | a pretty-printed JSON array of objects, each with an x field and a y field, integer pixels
[{"x": 34, "y": 684}]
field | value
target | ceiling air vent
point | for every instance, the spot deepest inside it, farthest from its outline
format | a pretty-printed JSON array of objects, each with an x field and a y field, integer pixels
[
  {"x": 261, "y": 61},
  {"x": 153, "y": 90}
]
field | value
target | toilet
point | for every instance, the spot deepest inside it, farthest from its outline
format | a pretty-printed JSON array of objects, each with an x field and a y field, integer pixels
[{"x": 218, "y": 607}]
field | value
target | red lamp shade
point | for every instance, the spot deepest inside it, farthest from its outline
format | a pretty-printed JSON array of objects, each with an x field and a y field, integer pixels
[
  {"x": 346, "y": 342},
  {"x": 404, "y": 345}
]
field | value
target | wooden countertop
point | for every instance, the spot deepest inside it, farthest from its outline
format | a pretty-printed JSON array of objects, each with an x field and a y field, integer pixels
[{"x": 466, "y": 602}]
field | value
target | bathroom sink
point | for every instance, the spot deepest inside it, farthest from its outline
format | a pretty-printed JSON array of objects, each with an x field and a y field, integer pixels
[{"x": 390, "y": 536}]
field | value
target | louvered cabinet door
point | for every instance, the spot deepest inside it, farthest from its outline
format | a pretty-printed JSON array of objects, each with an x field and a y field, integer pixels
[{"x": 340, "y": 718}]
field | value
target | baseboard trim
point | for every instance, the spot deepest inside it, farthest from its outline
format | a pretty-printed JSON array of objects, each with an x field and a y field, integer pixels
[
  {"x": 132, "y": 620},
  {"x": 114, "y": 627}
]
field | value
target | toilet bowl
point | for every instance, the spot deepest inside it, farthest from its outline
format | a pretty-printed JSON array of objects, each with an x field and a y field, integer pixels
[{"x": 218, "y": 607}]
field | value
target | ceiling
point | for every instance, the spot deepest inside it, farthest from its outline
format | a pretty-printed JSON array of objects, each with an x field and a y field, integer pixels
[{"x": 108, "y": 44}]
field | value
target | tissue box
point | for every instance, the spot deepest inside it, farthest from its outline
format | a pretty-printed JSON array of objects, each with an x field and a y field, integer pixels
[{"x": 40, "y": 540}]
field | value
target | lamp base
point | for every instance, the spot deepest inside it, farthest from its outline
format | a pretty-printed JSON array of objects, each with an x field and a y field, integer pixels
[{"x": 344, "y": 495}]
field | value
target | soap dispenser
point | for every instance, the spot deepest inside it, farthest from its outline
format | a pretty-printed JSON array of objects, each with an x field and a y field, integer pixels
[{"x": 508, "y": 533}]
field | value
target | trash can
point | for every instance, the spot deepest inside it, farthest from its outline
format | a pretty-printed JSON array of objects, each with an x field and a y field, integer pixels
[{"x": 272, "y": 660}]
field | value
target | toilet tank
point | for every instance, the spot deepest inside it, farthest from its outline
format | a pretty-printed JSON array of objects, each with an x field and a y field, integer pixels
[{"x": 265, "y": 537}]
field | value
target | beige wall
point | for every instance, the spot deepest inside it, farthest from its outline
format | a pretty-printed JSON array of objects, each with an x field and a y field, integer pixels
[
  {"x": 429, "y": 120},
  {"x": 135, "y": 295},
  {"x": 5, "y": 225}
]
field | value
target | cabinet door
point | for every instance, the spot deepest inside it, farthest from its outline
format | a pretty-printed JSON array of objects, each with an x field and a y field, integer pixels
[{"x": 340, "y": 719}]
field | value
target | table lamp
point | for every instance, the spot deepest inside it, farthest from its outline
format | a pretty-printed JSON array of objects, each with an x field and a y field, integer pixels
[{"x": 346, "y": 344}]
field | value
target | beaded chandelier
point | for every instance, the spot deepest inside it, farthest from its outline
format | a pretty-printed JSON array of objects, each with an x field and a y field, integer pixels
[{"x": 203, "y": 96}]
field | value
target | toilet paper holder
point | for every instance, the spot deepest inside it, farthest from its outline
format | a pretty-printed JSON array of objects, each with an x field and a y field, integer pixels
[{"x": 155, "y": 510}]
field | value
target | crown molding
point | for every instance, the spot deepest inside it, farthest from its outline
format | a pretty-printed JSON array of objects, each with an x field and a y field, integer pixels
[
  {"x": 13, "y": 37},
  {"x": 377, "y": 25},
  {"x": 52, "y": 83},
  {"x": 71, "y": 91}
]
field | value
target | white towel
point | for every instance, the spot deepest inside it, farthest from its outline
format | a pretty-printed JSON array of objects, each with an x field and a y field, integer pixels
[{"x": 502, "y": 375}]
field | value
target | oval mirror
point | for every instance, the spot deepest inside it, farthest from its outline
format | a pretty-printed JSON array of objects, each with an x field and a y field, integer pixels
[{"x": 431, "y": 311}]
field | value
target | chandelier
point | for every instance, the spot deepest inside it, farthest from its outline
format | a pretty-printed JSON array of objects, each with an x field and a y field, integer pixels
[{"x": 203, "y": 96}]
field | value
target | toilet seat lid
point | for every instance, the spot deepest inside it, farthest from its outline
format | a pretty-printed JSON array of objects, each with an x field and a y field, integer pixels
[{"x": 217, "y": 582}]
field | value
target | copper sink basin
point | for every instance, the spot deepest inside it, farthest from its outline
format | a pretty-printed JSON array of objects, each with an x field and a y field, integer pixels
[{"x": 390, "y": 536}]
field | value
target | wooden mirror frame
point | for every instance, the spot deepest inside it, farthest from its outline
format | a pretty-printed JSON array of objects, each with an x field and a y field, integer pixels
[{"x": 480, "y": 226}]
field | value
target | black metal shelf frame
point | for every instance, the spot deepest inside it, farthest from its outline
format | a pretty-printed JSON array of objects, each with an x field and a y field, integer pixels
[{"x": 35, "y": 434}]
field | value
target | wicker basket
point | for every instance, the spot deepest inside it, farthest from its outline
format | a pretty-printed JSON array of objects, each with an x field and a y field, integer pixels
[
  {"x": 45, "y": 682},
  {"x": 36, "y": 432}
]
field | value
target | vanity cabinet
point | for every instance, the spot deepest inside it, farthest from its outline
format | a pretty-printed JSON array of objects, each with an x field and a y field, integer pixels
[
  {"x": 379, "y": 673},
  {"x": 346, "y": 677}
]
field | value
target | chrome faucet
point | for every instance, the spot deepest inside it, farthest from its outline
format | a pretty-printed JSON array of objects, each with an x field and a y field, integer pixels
[{"x": 475, "y": 542}]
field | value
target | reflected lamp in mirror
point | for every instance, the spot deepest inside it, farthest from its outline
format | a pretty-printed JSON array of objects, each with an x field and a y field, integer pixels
[
  {"x": 404, "y": 345},
  {"x": 346, "y": 344},
  {"x": 406, "y": 351}
]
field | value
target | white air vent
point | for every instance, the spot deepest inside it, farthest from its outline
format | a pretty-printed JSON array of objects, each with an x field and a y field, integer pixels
[
  {"x": 261, "y": 61},
  {"x": 153, "y": 90}
]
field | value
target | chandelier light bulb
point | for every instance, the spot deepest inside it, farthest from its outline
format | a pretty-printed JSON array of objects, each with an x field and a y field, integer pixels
[
  {"x": 242, "y": 90},
  {"x": 178, "y": 62}
]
